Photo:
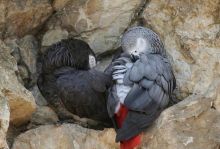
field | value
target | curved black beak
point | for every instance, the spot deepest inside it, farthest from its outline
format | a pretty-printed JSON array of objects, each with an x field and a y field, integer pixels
[{"x": 134, "y": 58}]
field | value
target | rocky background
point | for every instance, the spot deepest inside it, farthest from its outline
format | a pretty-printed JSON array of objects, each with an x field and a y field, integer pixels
[{"x": 190, "y": 30}]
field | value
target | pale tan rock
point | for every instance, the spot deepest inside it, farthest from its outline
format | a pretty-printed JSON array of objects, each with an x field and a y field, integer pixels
[
  {"x": 53, "y": 36},
  {"x": 39, "y": 99},
  {"x": 21, "y": 101},
  {"x": 25, "y": 51},
  {"x": 67, "y": 136},
  {"x": 23, "y": 73},
  {"x": 43, "y": 115},
  {"x": 190, "y": 31},
  {"x": 21, "y": 17},
  {"x": 59, "y": 4},
  {"x": 98, "y": 22},
  {"x": 2, "y": 18},
  {"x": 12, "y": 43},
  {"x": 214, "y": 92},
  {"x": 191, "y": 124},
  {"x": 4, "y": 121},
  {"x": 29, "y": 47}
]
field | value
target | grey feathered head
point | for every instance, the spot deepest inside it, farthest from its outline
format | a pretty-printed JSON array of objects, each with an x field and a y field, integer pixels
[{"x": 138, "y": 40}]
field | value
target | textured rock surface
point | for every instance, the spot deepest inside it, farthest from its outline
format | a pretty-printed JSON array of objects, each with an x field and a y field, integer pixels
[
  {"x": 39, "y": 99},
  {"x": 53, "y": 36},
  {"x": 21, "y": 17},
  {"x": 96, "y": 21},
  {"x": 190, "y": 31},
  {"x": 191, "y": 124},
  {"x": 21, "y": 101},
  {"x": 43, "y": 115},
  {"x": 4, "y": 121},
  {"x": 67, "y": 136},
  {"x": 28, "y": 48},
  {"x": 25, "y": 51}
]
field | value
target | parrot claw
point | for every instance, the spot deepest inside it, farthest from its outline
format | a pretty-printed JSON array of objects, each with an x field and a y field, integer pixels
[
  {"x": 119, "y": 71},
  {"x": 117, "y": 76},
  {"x": 119, "y": 67}
]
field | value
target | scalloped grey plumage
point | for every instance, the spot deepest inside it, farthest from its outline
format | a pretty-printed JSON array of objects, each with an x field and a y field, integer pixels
[{"x": 151, "y": 80}]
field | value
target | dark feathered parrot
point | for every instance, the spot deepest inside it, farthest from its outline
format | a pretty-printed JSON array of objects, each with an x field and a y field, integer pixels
[
  {"x": 70, "y": 83},
  {"x": 144, "y": 83}
]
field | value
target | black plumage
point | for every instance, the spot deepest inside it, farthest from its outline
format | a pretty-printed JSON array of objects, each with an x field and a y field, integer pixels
[{"x": 69, "y": 84}]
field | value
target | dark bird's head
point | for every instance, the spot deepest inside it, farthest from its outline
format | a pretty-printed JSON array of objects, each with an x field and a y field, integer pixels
[
  {"x": 69, "y": 53},
  {"x": 141, "y": 40}
]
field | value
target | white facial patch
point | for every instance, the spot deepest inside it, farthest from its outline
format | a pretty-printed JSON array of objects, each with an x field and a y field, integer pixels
[
  {"x": 92, "y": 61},
  {"x": 141, "y": 46}
]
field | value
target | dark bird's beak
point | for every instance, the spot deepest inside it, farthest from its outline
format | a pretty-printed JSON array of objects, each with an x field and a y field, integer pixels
[{"x": 134, "y": 58}]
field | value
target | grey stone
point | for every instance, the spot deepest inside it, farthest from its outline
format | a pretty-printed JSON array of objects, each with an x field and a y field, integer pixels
[
  {"x": 53, "y": 36},
  {"x": 39, "y": 99},
  {"x": 20, "y": 100},
  {"x": 29, "y": 49}
]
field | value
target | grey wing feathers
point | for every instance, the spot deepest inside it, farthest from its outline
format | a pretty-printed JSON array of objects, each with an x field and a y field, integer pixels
[
  {"x": 155, "y": 79},
  {"x": 150, "y": 94}
]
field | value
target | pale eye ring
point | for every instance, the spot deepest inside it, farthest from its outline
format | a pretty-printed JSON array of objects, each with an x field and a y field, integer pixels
[{"x": 92, "y": 61}]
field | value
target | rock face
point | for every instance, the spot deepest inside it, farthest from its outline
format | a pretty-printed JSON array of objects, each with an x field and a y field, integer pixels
[
  {"x": 53, "y": 36},
  {"x": 25, "y": 50},
  {"x": 28, "y": 49},
  {"x": 67, "y": 136},
  {"x": 96, "y": 21},
  {"x": 4, "y": 121},
  {"x": 21, "y": 17},
  {"x": 39, "y": 99},
  {"x": 191, "y": 124},
  {"x": 21, "y": 101},
  {"x": 190, "y": 31},
  {"x": 43, "y": 115}
]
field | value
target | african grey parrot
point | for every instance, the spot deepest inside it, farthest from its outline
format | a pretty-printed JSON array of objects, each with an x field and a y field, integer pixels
[
  {"x": 71, "y": 85},
  {"x": 144, "y": 83}
]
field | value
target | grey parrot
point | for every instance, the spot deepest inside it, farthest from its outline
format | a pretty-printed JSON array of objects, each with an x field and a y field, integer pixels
[
  {"x": 143, "y": 85},
  {"x": 72, "y": 86}
]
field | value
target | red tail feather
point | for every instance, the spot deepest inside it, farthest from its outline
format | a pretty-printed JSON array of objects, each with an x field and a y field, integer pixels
[{"x": 134, "y": 141}]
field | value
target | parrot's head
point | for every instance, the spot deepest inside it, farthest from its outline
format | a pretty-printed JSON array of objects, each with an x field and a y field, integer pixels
[
  {"x": 140, "y": 40},
  {"x": 69, "y": 52},
  {"x": 81, "y": 53}
]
